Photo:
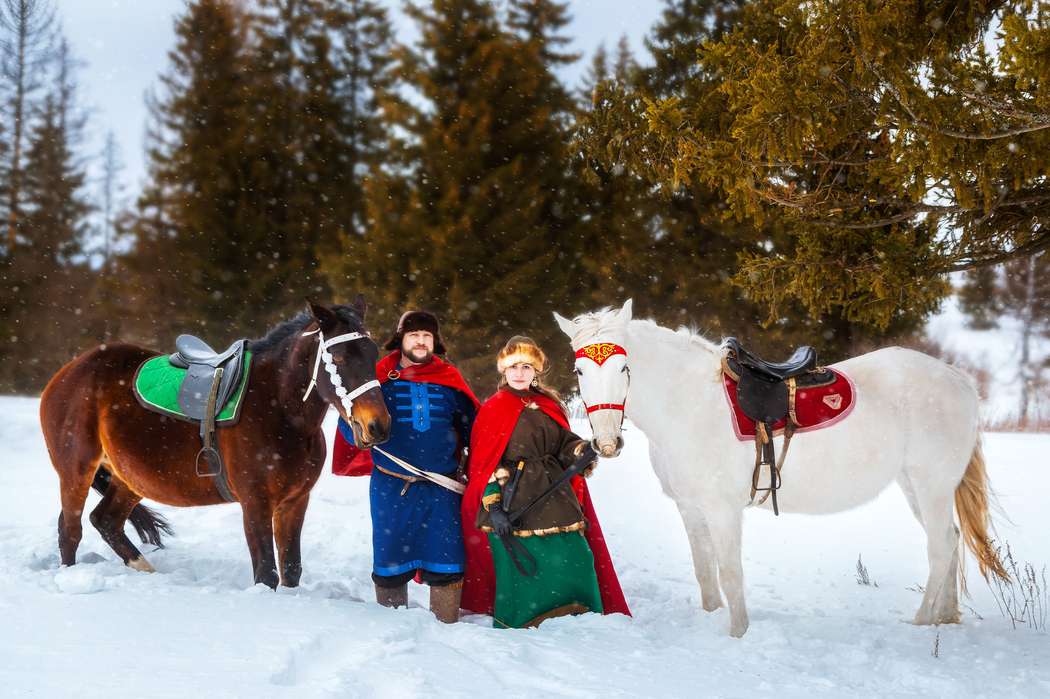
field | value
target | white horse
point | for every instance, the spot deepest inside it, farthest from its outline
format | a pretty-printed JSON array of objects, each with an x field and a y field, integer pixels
[{"x": 915, "y": 421}]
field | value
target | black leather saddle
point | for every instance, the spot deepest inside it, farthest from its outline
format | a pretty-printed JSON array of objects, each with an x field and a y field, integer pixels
[
  {"x": 211, "y": 380},
  {"x": 765, "y": 392},
  {"x": 762, "y": 386}
]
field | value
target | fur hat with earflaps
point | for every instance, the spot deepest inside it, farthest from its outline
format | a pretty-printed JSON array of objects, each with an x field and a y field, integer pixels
[
  {"x": 412, "y": 321},
  {"x": 524, "y": 350}
]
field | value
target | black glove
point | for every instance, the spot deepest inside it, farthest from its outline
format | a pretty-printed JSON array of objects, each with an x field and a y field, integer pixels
[
  {"x": 586, "y": 453},
  {"x": 500, "y": 521}
]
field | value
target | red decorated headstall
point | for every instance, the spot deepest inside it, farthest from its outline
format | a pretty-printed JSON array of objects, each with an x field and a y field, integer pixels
[{"x": 599, "y": 352}]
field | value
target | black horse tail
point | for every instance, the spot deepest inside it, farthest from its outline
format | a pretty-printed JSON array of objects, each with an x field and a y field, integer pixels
[{"x": 150, "y": 525}]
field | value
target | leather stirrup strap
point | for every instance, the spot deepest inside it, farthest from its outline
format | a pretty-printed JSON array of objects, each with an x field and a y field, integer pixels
[
  {"x": 216, "y": 468},
  {"x": 775, "y": 471}
]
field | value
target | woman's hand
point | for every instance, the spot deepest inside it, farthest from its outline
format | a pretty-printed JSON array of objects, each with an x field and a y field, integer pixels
[
  {"x": 585, "y": 451},
  {"x": 500, "y": 521}
]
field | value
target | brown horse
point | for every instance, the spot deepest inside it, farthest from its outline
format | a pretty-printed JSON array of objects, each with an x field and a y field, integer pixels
[{"x": 97, "y": 433}]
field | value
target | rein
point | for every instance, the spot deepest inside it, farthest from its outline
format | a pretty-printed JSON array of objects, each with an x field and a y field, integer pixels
[{"x": 323, "y": 355}]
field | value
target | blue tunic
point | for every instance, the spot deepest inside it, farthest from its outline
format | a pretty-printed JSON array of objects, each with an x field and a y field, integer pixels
[{"x": 418, "y": 527}]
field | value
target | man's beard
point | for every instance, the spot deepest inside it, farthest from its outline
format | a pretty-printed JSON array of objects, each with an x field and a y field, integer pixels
[{"x": 412, "y": 357}]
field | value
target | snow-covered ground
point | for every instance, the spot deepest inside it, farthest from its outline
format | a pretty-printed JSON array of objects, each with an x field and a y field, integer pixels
[{"x": 198, "y": 628}]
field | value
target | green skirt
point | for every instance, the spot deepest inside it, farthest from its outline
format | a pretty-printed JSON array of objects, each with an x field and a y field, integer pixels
[{"x": 565, "y": 581}]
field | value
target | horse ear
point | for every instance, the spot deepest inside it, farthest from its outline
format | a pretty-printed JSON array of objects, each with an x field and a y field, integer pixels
[
  {"x": 566, "y": 325},
  {"x": 359, "y": 305},
  {"x": 322, "y": 314},
  {"x": 627, "y": 310}
]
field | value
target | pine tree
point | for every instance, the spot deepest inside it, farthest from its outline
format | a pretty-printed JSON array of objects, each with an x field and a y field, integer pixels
[
  {"x": 50, "y": 264},
  {"x": 477, "y": 230},
  {"x": 670, "y": 246},
  {"x": 620, "y": 220},
  {"x": 365, "y": 68},
  {"x": 107, "y": 306},
  {"x": 893, "y": 162},
  {"x": 325, "y": 67},
  {"x": 200, "y": 245},
  {"x": 541, "y": 23},
  {"x": 26, "y": 34}
]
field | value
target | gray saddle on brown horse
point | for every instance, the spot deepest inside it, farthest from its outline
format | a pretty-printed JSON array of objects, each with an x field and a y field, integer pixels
[{"x": 211, "y": 379}]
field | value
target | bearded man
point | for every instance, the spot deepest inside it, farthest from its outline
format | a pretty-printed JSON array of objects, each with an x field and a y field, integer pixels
[{"x": 414, "y": 495}]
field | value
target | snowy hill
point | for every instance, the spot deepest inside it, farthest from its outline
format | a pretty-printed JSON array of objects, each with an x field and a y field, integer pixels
[{"x": 199, "y": 628}]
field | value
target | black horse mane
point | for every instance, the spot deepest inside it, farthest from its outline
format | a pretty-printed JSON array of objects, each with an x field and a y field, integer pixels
[{"x": 279, "y": 333}]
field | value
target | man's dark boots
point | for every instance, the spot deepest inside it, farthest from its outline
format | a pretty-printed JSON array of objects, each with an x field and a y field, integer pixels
[
  {"x": 392, "y": 596},
  {"x": 444, "y": 601}
]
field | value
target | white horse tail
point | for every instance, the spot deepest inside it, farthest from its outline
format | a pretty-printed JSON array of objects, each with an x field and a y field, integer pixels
[{"x": 972, "y": 506}]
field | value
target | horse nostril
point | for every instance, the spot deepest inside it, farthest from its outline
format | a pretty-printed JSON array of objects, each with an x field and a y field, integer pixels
[
  {"x": 619, "y": 443},
  {"x": 378, "y": 430}
]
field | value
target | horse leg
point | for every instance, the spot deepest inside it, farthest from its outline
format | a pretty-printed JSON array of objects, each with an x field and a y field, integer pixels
[
  {"x": 288, "y": 527},
  {"x": 109, "y": 517},
  {"x": 258, "y": 530},
  {"x": 940, "y": 603},
  {"x": 704, "y": 562},
  {"x": 726, "y": 526},
  {"x": 74, "y": 489}
]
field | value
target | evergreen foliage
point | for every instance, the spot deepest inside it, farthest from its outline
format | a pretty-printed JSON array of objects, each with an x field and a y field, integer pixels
[
  {"x": 885, "y": 136},
  {"x": 198, "y": 235},
  {"x": 475, "y": 227},
  {"x": 262, "y": 136},
  {"x": 26, "y": 36},
  {"x": 48, "y": 270},
  {"x": 785, "y": 172}
]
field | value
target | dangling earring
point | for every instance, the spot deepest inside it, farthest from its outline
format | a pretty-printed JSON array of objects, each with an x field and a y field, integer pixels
[{"x": 535, "y": 382}]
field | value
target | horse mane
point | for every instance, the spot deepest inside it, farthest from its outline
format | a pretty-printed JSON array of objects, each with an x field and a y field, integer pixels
[
  {"x": 279, "y": 333},
  {"x": 591, "y": 325},
  {"x": 688, "y": 338}
]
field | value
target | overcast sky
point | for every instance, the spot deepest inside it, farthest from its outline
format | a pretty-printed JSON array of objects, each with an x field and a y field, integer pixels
[{"x": 123, "y": 45}]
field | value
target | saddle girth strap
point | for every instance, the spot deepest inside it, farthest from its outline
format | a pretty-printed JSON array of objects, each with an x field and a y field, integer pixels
[{"x": 216, "y": 467}]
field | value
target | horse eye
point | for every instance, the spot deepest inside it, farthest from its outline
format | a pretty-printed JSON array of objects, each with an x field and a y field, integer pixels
[
  {"x": 577, "y": 371},
  {"x": 626, "y": 369}
]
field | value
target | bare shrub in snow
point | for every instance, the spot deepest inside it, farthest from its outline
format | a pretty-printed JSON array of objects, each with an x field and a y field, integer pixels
[
  {"x": 862, "y": 574},
  {"x": 1025, "y": 600}
]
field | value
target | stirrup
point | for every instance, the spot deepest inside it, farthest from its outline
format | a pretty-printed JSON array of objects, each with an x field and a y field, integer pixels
[{"x": 212, "y": 459}]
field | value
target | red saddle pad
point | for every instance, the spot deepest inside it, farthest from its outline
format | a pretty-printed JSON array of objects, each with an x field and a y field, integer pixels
[{"x": 815, "y": 408}]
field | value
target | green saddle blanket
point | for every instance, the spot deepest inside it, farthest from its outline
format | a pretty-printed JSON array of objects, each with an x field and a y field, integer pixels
[{"x": 157, "y": 382}]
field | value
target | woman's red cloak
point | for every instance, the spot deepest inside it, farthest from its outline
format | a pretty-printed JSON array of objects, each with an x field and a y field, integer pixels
[{"x": 491, "y": 432}]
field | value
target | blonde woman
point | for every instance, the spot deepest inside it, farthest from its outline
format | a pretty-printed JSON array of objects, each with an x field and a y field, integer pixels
[{"x": 551, "y": 559}]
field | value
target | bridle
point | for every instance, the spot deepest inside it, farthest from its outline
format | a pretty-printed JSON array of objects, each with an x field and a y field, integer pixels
[
  {"x": 599, "y": 353},
  {"x": 345, "y": 397}
]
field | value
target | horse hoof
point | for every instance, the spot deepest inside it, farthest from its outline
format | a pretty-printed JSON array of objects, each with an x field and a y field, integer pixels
[
  {"x": 142, "y": 565},
  {"x": 711, "y": 606}
]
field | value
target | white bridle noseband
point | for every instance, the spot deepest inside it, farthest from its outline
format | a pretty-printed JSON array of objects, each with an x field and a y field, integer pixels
[{"x": 345, "y": 397}]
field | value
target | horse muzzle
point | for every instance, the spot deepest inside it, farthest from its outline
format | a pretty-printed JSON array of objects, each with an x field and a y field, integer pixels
[
  {"x": 606, "y": 447},
  {"x": 370, "y": 423}
]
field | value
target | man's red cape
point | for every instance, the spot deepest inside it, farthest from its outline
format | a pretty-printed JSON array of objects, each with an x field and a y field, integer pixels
[
  {"x": 348, "y": 460},
  {"x": 491, "y": 432}
]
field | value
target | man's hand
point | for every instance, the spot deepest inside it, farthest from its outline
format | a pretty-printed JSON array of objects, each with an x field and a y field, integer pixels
[{"x": 500, "y": 521}]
